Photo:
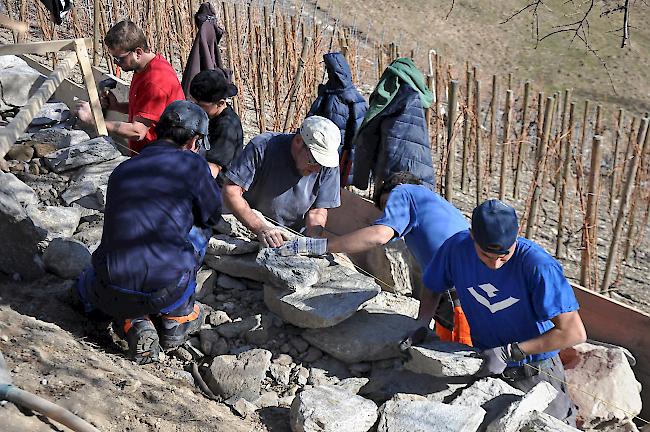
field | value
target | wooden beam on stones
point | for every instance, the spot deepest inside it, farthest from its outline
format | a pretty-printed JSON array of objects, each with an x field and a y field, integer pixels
[{"x": 43, "y": 47}]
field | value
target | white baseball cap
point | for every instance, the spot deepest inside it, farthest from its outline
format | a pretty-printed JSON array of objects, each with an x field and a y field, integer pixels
[{"x": 323, "y": 138}]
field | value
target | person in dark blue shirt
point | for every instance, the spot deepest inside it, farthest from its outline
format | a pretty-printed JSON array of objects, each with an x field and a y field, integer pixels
[
  {"x": 293, "y": 179},
  {"x": 151, "y": 247},
  {"x": 519, "y": 305}
]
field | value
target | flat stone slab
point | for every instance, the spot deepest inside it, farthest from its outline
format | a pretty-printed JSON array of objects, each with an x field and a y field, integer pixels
[
  {"x": 10, "y": 184},
  {"x": 239, "y": 266},
  {"x": 90, "y": 152},
  {"x": 537, "y": 399},
  {"x": 330, "y": 408},
  {"x": 542, "y": 422},
  {"x": 492, "y": 394},
  {"x": 291, "y": 273},
  {"x": 239, "y": 376},
  {"x": 57, "y": 221},
  {"x": 223, "y": 244},
  {"x": 365, "y": 336},
  {"x": 428, "y": 416},
  {"x": 88, "y": 180},
  {"x": 60, "y": 137},
  {"x": 335, "y": 298},
  {"x": 444, "y": 359}
]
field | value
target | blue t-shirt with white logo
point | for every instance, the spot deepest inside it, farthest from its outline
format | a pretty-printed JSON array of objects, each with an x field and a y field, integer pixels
[
  {"x": 423, "y": 218},
  {"x": 514, "y": 303}
]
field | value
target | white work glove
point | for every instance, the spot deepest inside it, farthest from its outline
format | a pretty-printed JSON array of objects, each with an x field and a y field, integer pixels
[
  {"x": 272, "y": 237},
  {"x": 304, "y": 246}
]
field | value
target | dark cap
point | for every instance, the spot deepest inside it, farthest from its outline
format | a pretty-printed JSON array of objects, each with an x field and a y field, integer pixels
[
  {"x": 186, "y": 115},
  {"x": 211, "y": 86},
  {"x": 494, "y": 226}
]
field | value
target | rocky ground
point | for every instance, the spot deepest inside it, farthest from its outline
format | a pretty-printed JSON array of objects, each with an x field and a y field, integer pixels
[{"x": 298, "y": 344}]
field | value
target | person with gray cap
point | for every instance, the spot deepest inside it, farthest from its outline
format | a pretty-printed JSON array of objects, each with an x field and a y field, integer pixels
[
  {"x": 520, "y": 307},
  {"x": 291, "y": 178},
  {"x": 145, "y": 267}
]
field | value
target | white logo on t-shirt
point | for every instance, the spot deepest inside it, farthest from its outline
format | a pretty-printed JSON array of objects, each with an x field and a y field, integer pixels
[{"x": 491, "y": 292}]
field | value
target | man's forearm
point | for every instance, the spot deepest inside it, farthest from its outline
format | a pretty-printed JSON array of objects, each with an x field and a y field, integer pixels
[
  {"x": 315, "y": 221},
  {"x": 361, "y": 240},
  {"x": 568, "y": 331},
  {"x": 429, "y": 302},
  {"x": 131, "y": 131},
  {"x": 121, "y": 107},
  {"x": 242, "y": 211}
]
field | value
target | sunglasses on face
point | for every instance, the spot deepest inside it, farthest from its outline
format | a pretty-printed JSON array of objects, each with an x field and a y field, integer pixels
[{"x": 120, "y": 59}]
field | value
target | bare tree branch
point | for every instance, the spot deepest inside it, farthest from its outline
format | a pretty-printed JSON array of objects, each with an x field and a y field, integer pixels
[
  {"x": 626, "y": 23},
  {"x": 450, "y": 9}
]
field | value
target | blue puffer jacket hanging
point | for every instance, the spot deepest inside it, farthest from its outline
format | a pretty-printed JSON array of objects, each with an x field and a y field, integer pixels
[{"x": 340, "y": 101}]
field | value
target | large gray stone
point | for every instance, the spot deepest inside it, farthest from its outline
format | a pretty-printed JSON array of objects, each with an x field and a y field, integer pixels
[
  {"x": 9, "y": 184},
  {"x": 18, "y": 82},
  {"x": 537, "y": 399},
  {"x": 20, "y": 238},
  {"x": 383, "y": 384},
  {"x": 57, "y": 221},
  {"x": 51, "y": 113},
  {"x": 229, "y": 225},
  {"x": 88, "y": 180},
  {"x": 292, "y": 272},
  {"x": 66, "y": 258},
  {"x": 60, "y": 137},
  {"x": 239, "y": 266},
  {"x": 542, "y": 422},
  {"x": 90, "y": 152},
  {"x": 239, "y": 376},
  {"x": 336, "y": 297},
  {"x": 223, "y": 244},
  {"x": 330, "y": 408},
  {"x": 367, "y": 335},
  {"x": 491, "y": 394},
  {"x": 428, "y": 416},
  {"x": 605, "y": 373},
  {"x": 442, "y": 359},
  {"x": 235, "y": 329}
]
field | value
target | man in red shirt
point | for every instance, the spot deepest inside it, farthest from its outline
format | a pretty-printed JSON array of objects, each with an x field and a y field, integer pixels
[{"x": 153, "y": 87}]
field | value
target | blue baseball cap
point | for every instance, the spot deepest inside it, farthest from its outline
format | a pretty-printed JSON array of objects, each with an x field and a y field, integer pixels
[
  {"x": 494, "y": 226},
  {"x": 187, "y": 115}
]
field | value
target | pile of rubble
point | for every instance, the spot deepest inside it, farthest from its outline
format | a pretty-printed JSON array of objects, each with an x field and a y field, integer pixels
[{"x": 311, "y": 335}]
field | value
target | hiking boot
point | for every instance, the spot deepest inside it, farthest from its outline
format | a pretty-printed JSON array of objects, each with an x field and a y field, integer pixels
[
  {"x": 176, "y": 329},
  {"x": 141, "y": 335}
]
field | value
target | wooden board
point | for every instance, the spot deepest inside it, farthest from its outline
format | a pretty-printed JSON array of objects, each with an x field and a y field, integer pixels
[{"x": 43, "y": 47}]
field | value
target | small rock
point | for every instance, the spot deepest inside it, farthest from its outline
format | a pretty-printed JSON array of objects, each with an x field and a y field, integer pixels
[
  {"x": 239, "y": 328},
  {"x": 353, "y": 385},
  {"x": 206, "y": 279},
  {"x": 51, "y": 113},
  {"x": 302, "y": 376},
  {"x": 212, "y": 344},
  {"x": 443, "y": 359},
  {"x": 280, "y": 373},
  {"x": 218, "y": 317},
  {"x": 44, "y": 149},
  {"x": 537, "y": 399},
  {"x": 283, "y": 359},
  {"x": 239, "y": 375},
  {"x": 182, "y": 354},
  {"x": 328, "y": 408},
  {"x": 299, "y": 344},
  {"x": 66, "y": 258},
  {"x": 226, "y": 245},
  {"x": 286, "y": 401},
  {"x": 542, "y": 422},
  {"x": 267, "y": 399},
  {"x": 20, "y": 152},
  {"x": 241, "y": 406},
  {"x": 425, "y": 415}
]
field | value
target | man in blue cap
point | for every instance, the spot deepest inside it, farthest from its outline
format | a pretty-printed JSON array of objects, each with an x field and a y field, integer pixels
[
  {"x": 151, "y": 247},
  {"x": 520, "y": 308}
]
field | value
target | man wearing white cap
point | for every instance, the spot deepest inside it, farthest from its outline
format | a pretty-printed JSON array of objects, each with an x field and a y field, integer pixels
[{"x": 291, "y": 178}]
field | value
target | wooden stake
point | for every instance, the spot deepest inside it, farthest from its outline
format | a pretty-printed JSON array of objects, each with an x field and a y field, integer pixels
[
  {"x": 589, "y": 245},
  {"x": 493, "y": 128},
  {"x": 91, "y": 87},
  {"x": 522, "y": 144},
  {"x": 96, "y": 33},
  {"x": 560, "y": 248},
  {"x": 563, "y": 134},
  {"x": 288, "y": 121},
  {"x": 505, "y": 147},
  {"x": 477, "y": 139},
  {"x": 622, "y": 210},
  {"x": 451, "y": 146},
  {"x": 537, "y": 186},
  {"x": 467, "y": 130},
  {"x": 614, "y": 175},
  {"x": 581, "y": 146},
  {"x": 631, "y": 232},
  {"x": 229, "y": 51}
]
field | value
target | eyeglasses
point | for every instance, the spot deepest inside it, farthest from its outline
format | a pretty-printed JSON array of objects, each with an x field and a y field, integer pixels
[{"x": 120, "y": 59}]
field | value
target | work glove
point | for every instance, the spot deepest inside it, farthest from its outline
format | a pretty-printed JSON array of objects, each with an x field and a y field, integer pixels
[
  {"x": 304, "y": 246},
  {"x": 415, "y": 338},
  {"x": 495, "y": 360},
  {"x": 272, "y": 237}
]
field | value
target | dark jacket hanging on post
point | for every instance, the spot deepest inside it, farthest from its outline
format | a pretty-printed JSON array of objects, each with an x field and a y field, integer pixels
[
  {"x": 59, "y": 9},
  {"x": 340, "y": 101},
  {"x": 394, "y": 135},
  {"x": 205, "y": 53}
]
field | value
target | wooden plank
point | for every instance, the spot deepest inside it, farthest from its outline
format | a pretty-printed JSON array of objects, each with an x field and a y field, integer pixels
[
  {"x": 68, "y": 91},
  {"x": 43, "y": 47},
  {"x": 18, "y": 125},
  {"x": 91, "y": 87}
]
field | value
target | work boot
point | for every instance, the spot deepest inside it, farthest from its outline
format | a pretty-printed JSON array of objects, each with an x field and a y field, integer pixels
[
  {"x": 141, "y": 335},
  {"x": 176, "y": 329}
]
